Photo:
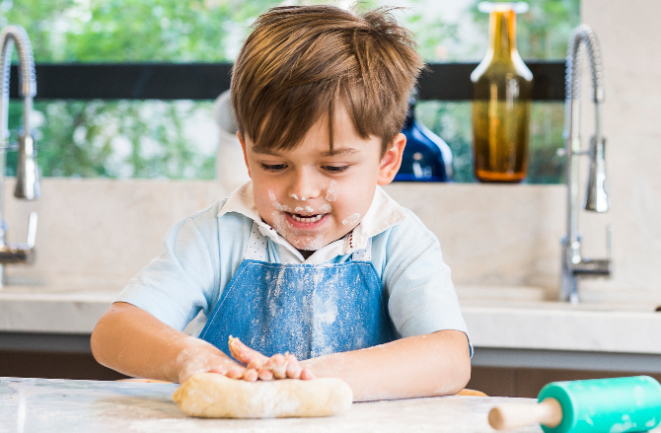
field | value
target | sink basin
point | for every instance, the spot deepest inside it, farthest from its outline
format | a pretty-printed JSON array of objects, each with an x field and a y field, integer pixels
[{"x": 541, "y": 298}]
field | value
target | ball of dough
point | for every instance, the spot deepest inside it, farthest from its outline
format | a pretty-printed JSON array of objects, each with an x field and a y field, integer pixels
[{"x": 212, "y": 395}]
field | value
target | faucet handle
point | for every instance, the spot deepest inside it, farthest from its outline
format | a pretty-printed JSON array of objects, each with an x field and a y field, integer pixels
[
  {"x": 32, "y": 230},
  {"x": 21, "y": 252},
  {"x": 597, "y": 267},
  {"x": 609, "y": 242},
  {"x": 27, "y": 172},
  {"x": 596, "y": 198}
]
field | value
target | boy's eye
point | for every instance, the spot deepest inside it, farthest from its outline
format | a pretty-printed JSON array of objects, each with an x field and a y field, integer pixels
[
  {"x": 335, "y": 169},
  {"x": 274, "y": 167}
]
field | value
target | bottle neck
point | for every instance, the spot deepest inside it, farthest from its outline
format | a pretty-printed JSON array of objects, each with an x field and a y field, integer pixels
[{"x": 502, "y": 33}]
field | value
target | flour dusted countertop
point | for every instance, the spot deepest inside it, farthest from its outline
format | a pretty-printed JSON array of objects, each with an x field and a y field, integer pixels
[
  {"x": 44, "y": 406},
  {"x": 509, "y": 318}
]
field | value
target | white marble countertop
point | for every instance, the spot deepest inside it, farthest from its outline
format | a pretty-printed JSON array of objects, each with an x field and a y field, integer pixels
[
  {"x": 496, "y": 318},
  {"x": 528, "y": 318},
  {"x": 41, "y": 405},
  {"x": 38, "y": 309}
]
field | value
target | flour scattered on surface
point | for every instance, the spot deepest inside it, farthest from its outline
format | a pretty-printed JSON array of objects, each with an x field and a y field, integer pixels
[{"x": 105, "y": 407}]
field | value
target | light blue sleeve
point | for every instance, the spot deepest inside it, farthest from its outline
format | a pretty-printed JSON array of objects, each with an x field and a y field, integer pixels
[
  {"x": 422, "y": 298},
  {"x": 183, "y": 279}
]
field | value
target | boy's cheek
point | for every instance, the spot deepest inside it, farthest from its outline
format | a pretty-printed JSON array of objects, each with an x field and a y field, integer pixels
[{"x": 264, "y": 208}]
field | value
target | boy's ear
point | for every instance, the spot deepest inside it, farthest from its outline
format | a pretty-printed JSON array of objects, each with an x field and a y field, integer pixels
[
  {"x": 245, "y": 154},
  {"x": 392, "y": 160}
]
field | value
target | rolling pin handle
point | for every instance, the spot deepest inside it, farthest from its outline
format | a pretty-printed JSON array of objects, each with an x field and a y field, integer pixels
[{"x": 510, "y": 417}]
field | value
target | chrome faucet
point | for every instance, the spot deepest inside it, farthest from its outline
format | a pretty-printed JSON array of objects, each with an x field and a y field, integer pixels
[
  {"x": 596, "y": 199},
  {"x": 27, "y": 172}
]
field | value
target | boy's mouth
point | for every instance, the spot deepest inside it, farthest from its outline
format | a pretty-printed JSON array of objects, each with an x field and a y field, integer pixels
[{"x": 306, "y": 219}]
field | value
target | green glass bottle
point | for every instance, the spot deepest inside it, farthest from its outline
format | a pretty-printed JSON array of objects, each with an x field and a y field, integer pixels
[{"x": 502, "y": 95}]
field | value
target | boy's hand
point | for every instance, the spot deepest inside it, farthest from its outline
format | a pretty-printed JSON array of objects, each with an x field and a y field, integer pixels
[
  {"x": 264, "y": 368},
  {"x": 202, "y": 357}
]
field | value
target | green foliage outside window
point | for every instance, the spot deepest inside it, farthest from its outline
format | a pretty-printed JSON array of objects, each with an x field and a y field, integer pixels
[
  {"x": 151, "y": 139},
  {"x": 542, "y": 33}
]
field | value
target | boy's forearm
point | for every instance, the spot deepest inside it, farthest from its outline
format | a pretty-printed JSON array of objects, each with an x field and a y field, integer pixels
[
  {"x": 135, "y": 343},
  {"x": 425, "y": 365}
]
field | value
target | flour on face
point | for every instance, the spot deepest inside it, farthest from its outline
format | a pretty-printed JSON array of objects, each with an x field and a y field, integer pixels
[
  {"x": 279, "y": 222},
  {"x": 285, "y": 230},
  {"x": 295, "y": 197},
  {"x": 308, "y": 209},
  {"x": 310, "y": 245},
  {"x": 351, "y": 219},
  {"x": 276, "y": 204},
  {"x": 333, "y": 190}
]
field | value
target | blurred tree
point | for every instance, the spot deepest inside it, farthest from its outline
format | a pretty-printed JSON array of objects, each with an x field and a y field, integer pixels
[
  {"x": 86, "y": 138},
  {"x": 152, "y": 138},
  {"x": 433, "y": 32},
  {"x": 542, "y": 33}
]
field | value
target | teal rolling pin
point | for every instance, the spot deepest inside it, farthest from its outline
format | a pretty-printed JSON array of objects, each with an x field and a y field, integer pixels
[{"x": 620, "y": 405}]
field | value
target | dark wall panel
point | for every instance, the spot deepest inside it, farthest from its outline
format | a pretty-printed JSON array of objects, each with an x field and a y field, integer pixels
[{"x": 205, "y": 81}]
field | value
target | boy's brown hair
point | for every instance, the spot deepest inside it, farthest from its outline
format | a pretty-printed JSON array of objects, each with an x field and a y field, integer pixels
[{"x": 300, "y": 61}]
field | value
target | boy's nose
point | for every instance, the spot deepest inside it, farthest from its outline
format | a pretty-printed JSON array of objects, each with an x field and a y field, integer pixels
[{"x": 305, "y": 186}]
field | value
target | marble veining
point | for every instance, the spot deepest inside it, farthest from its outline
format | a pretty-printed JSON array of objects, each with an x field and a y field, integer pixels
[{"x": 45, "y": 406}]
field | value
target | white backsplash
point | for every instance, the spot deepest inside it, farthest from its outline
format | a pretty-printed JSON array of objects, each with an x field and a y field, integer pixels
[
  {"x": 96, "y": 233},
  {"x": 99, "y": 233}
]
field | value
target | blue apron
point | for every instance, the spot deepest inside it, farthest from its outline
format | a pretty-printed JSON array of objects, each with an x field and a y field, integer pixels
[{"x": 307, "y": 310}]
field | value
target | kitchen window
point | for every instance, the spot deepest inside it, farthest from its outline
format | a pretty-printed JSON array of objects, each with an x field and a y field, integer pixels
[{"x": 177, "y": 139}]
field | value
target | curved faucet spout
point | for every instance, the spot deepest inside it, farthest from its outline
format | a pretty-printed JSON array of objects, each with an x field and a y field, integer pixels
[
  {"x": 27, "y": 79},
  {"x": 596, "y": 198},
  {"x": 27, "y": 173}
]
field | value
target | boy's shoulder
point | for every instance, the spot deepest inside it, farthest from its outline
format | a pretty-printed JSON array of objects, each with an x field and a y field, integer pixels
[
  {"x": 405, "y": 247},
  {"x": 404, "y": 241},
  {"x": 218, "y": 213},
  {"x": 209, "y": 212},
  {"x": 409, "y": 230},
  {"x": 215, "y": 222},
  {"x": 397, "y": 220},
  {"x": 413, "y": 220}
]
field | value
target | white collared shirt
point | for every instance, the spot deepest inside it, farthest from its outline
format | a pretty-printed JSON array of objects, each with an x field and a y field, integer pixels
[
  {"x": 201, "y": 254},
  {"x": 383, "y": 213}
]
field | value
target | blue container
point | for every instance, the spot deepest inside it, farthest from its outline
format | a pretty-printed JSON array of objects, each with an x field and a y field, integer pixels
[{"x": 427, "y": 158}]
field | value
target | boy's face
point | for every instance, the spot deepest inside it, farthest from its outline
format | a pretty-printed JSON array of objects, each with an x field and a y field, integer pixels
[{"x": 311, "y": 196}]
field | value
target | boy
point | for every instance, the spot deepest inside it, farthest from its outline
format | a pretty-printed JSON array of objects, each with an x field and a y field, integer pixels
[{"x": 311, "y": 264}]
